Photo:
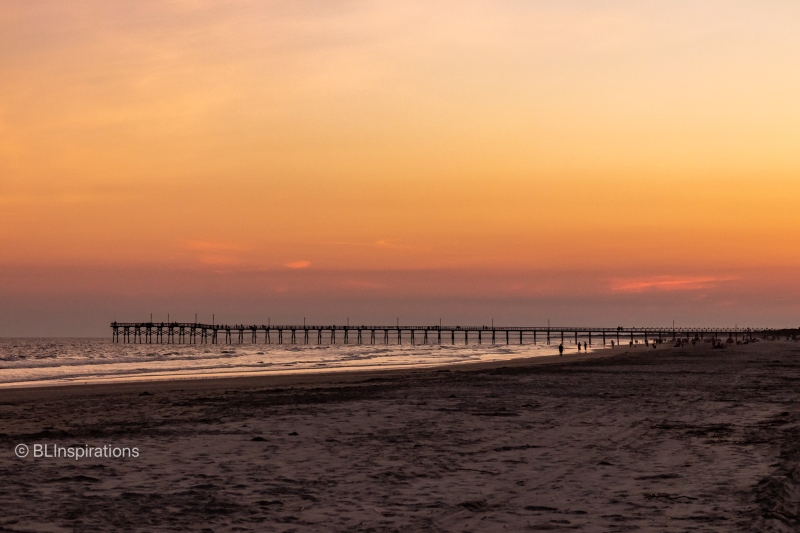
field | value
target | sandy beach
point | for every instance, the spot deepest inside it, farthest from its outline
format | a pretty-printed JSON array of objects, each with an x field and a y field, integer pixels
[{"x": 671, "y": 439}]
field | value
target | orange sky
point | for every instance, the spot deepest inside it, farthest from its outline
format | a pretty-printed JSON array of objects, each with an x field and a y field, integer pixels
[{"x": 600, "y": 162}]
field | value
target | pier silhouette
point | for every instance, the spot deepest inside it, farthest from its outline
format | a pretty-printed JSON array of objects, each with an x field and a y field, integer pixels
[{"x": 199, "y": 333}]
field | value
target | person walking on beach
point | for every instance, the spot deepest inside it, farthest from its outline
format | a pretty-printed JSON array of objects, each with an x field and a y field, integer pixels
[
  {"x": 560, "y": 349},
  {"x": 585, "y": 349},
  {"x": 579, "y": 347}
]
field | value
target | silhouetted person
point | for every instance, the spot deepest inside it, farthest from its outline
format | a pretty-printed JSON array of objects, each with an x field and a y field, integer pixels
[
  {"x": 579, "y": 347},
  {"x": 612, "y": 344},
  {"x": 560, "y": 349},
  {"x": 585, "y": 349}
]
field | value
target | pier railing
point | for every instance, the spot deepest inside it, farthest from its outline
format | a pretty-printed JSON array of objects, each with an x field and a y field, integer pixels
[{"x": 198, "y": 333}]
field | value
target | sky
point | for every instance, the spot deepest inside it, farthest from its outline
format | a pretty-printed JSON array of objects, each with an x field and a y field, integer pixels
[{"x": 589, "y": 163}]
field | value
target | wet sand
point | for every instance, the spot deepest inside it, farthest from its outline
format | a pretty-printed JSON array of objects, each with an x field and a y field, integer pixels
[{"x": 672, "y": 439}]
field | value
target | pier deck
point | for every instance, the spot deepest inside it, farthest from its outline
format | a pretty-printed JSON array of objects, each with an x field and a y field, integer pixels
[{"x": 198, "y": 333}]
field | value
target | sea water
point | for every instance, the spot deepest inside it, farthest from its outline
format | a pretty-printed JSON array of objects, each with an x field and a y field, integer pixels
[{"x": 57, "y": 361}]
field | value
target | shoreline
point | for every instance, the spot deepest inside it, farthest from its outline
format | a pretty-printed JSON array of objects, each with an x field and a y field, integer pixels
[{"x": 256, "y": 379}]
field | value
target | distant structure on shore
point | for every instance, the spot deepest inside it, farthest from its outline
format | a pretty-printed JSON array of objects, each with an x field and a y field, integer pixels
[{"x": 197, "y": 333}]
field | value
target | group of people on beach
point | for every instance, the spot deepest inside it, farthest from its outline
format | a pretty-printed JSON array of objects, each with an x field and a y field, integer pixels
[
  {"x": 585, "y": 348},
  {"x": 716, "y": 342}
]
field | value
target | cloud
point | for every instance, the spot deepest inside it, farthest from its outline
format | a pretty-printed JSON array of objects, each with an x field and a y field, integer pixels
[
  {"x": 216, "y": 253},
  {"x": 383, "y": 243},
  {"x": 298, "y": 264},
  {"x": 26, "y": 200},
  {"x": 668, "y": 283},
  {"x": 218, "y": 260},
  {"x": 215, "y": 246},
  {"x": 363, "y": 284}
]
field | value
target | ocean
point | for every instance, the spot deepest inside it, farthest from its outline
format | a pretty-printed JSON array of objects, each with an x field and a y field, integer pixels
[{"x": 51, "y": 361}]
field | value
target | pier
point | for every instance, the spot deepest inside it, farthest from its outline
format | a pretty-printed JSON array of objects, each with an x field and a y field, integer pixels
[{"x": 198, "y": 333}]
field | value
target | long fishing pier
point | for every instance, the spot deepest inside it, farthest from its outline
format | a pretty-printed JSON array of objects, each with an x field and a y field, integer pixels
[{"x": 197, "y": 333}]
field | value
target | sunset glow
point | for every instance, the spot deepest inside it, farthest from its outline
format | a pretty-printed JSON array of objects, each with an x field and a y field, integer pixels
[{"x": 605, "y": 163}]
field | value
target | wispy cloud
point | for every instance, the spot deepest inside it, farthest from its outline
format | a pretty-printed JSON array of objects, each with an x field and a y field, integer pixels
[
  {"x": 364, "y": 284},
  {"x": 214, "y": 246},
  {"x": 668, "y": 283},
  {"x": 392, "y": 244},
  {"x": 25, "y": 200},
  {"x": 295, "y": 265},
  {"x": 216, "y": 253}
]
